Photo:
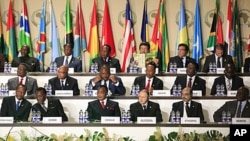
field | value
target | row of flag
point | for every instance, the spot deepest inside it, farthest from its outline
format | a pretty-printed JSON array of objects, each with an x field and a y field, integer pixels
[{"x": 159, "y": 39}]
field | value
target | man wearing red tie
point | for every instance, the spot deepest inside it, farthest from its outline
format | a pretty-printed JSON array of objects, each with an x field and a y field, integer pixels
[{"x": 102, "y": 106}]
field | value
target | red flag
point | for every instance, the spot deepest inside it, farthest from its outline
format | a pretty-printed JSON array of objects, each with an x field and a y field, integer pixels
[
  {"x": 219, "y": 31},
  {"x": 229, "y": 36},
  {"x": 248, "y": 44},
  {"x": 107, "y": 34}
]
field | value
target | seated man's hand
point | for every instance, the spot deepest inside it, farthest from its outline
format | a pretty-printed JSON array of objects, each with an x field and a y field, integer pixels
[
  {"x": 113, "y": 78},
  {"x": 97, "y": 79}
]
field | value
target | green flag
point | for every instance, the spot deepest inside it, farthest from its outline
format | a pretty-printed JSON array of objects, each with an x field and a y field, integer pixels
[{"x": 69, "y": 30}]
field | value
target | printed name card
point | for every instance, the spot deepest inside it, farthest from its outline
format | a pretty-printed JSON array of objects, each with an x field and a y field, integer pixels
[
  {"x": 71, "y": 70},
  {"x": 231, "y": 93},
  {"x": 6, "y": 120},
  {"x": 13, "y": 70},
  {"x": 63, "y": 92},
  {"x": 12, "y": 92},
  {"x": 146, "y": 120},
  {"x": 113, "y": 70},
  {"x": 52, "y": 120},
  {"x": 220, "y": 70},
  {"x": 161, "y": 92},
  {"x": 143, "y": 70},
  {"x": 181, "y": 70},
  {"x": 196, "y": 93},
  {"x": 110, "y": 120},
  {"x": 240, "y": 120},
  {"x": 190, "y": 120}
]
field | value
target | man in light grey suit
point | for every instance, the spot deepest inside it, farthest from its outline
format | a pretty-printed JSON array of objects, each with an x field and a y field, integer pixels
[{"x": 22, "y": 78}]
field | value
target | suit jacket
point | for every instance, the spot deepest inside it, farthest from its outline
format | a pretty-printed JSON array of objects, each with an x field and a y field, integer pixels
[
  {"x": 2, "y": 61},
  {"x": 54, "y": 109},
  {"x": 227, "y": 59},
  {"x": 95, "y": 109},
  {"x": 195, "y": 109},
  {"x": 237, "y": 82},
  {"x": 32, "y": 63},
  {"x": 112, "y": 63},
  {"x": 31, "y": 84},
  {"x": 74, "y": 63},
  {"x": 231, "y": 106},
  {"x": 70, "y": 84},
  {"x": 179, "y": 62},
  {"x": 157, "y": 83},
  {"x": 8, "y": 109},
  {"x": 120, "y": 89},
  {"x": 247, "y": 64},
  {"x": 153, "y": 110},
  {"x": 198, "y": 84}
]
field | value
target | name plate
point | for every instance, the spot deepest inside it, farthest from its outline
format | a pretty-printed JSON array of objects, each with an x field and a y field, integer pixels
[
  {"x": 52, "y": 120},
  {"x": 181, "y": 70},
  {"x": 13, "y": 93},
  {"x": 71, "y": 70},
  {"x": 161, "y": 92},
  {"x": 113, "y": 70},
  {"x": 220, "y": 70},
  {"x": 196, "y": 93},
  {"x": 63, "y": 92},
  {"x": 231, "y": 93},
  {"x": 240, "y": 120},
  {"x": 6, "y": 120},
  {"x": 146, "y": 120},
  {"x": 110, "y": 120},
  {"x": 143, "y": 70},
  {"x": 190, "y": 120},
  {"x": 13, "y": 70},
  {"x": 93, "y": 92}
]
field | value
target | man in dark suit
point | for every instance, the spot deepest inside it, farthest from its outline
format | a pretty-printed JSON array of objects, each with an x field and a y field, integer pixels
[
  {"x": 247, "y": 65},
  {"x": 237, "y": 108},
  {"x": 102, "y": 106},
  {"x": 68, "y": 59},
  {"x": 187, "y": 107},
  {"x": 64, "y": 82},
  {"x": 229, "y": 80},
  {"x": 16, "y": 106},
  {"x": 219, "y": 58},
  {"x": 114, "y": 83},
  {"x": 29, "y": 82},
  {"x": 145, "y": 108},
  {"x": 182, "y": 59},
  {"x": 149, "y": 81},
  {"x": 2, "y": 61},
  {"x": 33, "y": 64},
  {"x": 49, "y": 107},
  {"x": 106, "y": 59},
  {"x": 191, "y": 80}
]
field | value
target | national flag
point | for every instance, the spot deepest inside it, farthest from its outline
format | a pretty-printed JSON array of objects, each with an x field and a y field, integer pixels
[
  {"x": 229, "y": 29},
  {"x": 155, "y": 34},
  {"x": 128, "y": 44},
  {"x": 41, "y": 44},
  {"x": 80, "y": 36},
  {"x": 144, "y": 25},
  {"x": 54, "y": 38},
  {"x": 237, "y": 45},
  {"x": 182, "y": 28},
  {"x": 69, "y": 39},
  {"x": 24, "y": 33},
  {"x": 1, "y": 35},
  {"x": 212, "y": 36},
  {"x": 219, "y": 35},
  {"x": 10, "y": 41},
  {"x": 197, "y": 53},
  {"x": 248, "y": 44},
  {"x": 93, "y": 44},
  {"x": 107, "y": 33}
]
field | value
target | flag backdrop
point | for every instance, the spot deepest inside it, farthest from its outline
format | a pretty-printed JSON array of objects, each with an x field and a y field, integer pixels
[
  {"x": 197, "y": 53},
  {"x": 107, "y": 33},
  {"x": 154, "y": 37},
  {"x": 24, "y": 33},
  {"x": 80, "y": 43},
  {"x": 128, "y": 44},
  {"x": 229, "y": 29},
  {"x": 219, "y": 32},
  {"x": 69, "y": 39},
  {"x": 54, "y": 38},
  {"x": 248, "y": 44},
  {"x": 144, "y": 25},
  {"x": 237, "y": 45},
  {"x": 1, "y": 35},
  {"x": 41, "y": 44},
  {"x": 93, "y": 44},
  {"x": 10, "y": 38}
]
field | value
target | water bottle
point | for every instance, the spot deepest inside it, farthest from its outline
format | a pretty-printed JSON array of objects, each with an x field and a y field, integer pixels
[
  {"x": 51, "y": 67},
  {"x": 133, "y": 90},
  {"x": 131, "y": 68},
  {"x": 95, "y": 67},
  {"x": 228, "y": 118},
  {"x": 223, "y": 117},
  {"x": 222, "y": 90},
  {"x": 174, "y": 67},
  {"x": 214, "y": 67},
  {"x": 6, "y": 69},
  {"x": 179, "y": 89},
  {"x": 6, "y": 89},
  {"x": 172, "y": 117},
  {"x": 86, "y": 117},
  {"x": 86, "y": 91},
  {"x": 135, "y": 68},
  {"x": 210, "y": 67},
  {"x": 218, "y": 89},
  {"x": 49, "y": 89},
  {"x": 90, "y": 90},
  {"x": 33, "y": 119},
  {"x": 1, "y": 89},
  {"x": 124, "y": 116},
  {"x": 137, "y": 89},
  {"x": 46, "y": 87},
  {"x": 38, "y": 117},
  {"x": 171, "y": 67},
  {"x": 128, "y": 119},
  {"x": 92, "y": 68},
  {"x": 174, "y": 90},
  {"x": 81, "y": 116},
  {"x": 177, "y": 117}
]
